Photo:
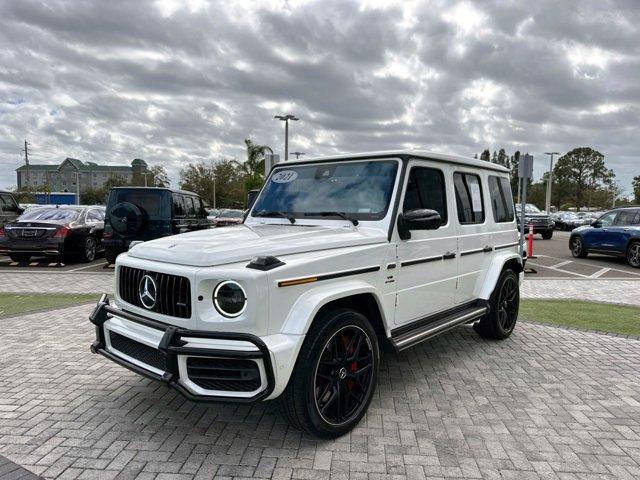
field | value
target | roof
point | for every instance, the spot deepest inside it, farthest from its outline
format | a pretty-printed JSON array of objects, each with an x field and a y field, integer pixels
[{"x": 472, "y": 162}]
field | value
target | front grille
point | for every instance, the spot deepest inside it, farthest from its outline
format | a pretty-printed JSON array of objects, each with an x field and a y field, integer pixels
[
  {"x": 224, "y": 374},
  {"x": 173, "y": 293},
  {"x": 139, "y": 351}
]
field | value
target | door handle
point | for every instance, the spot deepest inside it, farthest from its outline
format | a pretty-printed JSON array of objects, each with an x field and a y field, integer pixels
[
  {"x": 604, "y": 229},
  {"x": 487, "y": 248},
  {"x": 448, "y": 256},
  {"x": 626, "y": 229}
]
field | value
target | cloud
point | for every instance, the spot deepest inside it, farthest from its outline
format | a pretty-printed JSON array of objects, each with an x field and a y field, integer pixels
[{"x": 174, "y": 82}]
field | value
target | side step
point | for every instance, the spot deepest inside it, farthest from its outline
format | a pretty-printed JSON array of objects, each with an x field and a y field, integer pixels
[{"x": 425, "y": 331}]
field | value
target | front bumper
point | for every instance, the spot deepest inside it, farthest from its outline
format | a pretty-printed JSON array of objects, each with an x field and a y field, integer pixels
[{"x": 167, "y": 350}]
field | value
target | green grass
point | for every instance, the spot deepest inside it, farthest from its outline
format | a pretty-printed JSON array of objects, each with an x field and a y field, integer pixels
[
  {"x": 19, "y": 303},
  {"x": 600, "y": 317}
]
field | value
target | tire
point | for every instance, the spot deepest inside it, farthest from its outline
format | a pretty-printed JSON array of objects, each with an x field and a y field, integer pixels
[
  {"x": 89, "y": 249},
  {"x": 633, "y": 254},
  {"x": 110, "y": 255},
  {"x": 340, "y": 356},
  {"x": 20, "y": 257},
  {"x": 578, "y": 250},
  {"x": 504, "y": 303},
  {"x": 547, "y": 235}
]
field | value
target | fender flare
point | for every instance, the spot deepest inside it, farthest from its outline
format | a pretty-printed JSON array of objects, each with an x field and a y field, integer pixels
[
  {"x": 492, "y": 273},
  {"x": 310, "y": 302}
]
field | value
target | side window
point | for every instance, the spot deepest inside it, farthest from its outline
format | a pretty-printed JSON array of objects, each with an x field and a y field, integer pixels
[
  {"x": 501, "y": 199},
  {"x": 8, "y": 203},
  {"x": 94, "y": 216},
  {"x": 189, "y": 206},
  {"x": 178, "y": 210},
  {"x": 468, "y": 198},
  {"x": 425, "y": 189},
  {"x": 626, "y": 217},
  {"x": 607, "y": 219}
]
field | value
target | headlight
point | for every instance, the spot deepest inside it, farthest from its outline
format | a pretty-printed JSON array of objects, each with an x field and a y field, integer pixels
[{"x": 229, "y": 298}]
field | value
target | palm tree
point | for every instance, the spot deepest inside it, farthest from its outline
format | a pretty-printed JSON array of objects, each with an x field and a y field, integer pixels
[{"x": 254, "y": 165}]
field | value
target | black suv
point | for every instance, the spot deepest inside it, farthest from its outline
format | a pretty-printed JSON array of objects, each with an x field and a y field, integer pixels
[{"x": 141, "y": 213}]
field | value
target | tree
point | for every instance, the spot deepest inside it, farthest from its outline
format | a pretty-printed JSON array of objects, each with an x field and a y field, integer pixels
[
  {"x": 636, "y": 189},
  {"x": 503, "y": 159},
  {"x": 494, "y": 157},
  {"x": 583, "y": 171},
  {"x": 515, "y": 164},
  {"x": 485, "y": 155},
  {"x": 160, "y": 177},
  {"x": 253, "y": 166},
  {"x": 229, "y": 190}
]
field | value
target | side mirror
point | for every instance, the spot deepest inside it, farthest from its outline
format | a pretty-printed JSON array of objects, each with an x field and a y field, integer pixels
[
  {"x": 419, "y": 219},
  {"x": 20, "y": 210},
  {"x": 596, "y": 224}
]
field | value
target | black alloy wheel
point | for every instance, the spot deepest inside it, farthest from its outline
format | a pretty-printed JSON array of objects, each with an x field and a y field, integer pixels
[
  {"x": 343, "y": 375},
  {"x": 503, "y": 305},
  {"x": 335, "y": 375}
]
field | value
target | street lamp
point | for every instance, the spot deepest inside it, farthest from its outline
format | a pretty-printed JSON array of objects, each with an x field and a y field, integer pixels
[
  {"x": 297, "y": 154},
  {"x": 549, "y": 180},
  {"x": 285, "y": 119}
]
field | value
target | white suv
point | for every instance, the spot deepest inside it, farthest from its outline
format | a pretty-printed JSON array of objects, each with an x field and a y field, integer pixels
[{"x": 338, "y": 258}]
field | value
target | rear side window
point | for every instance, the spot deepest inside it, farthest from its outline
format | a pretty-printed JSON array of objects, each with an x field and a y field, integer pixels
[
  {"x": 189, "y": 206},
  {"x": 628, "y": 217},
  {"x": 425, "y": 189},
  {"x": 178, "y": 209},
  {"x": 468, "y": 198},
  {"x": 501, "y": 199}
]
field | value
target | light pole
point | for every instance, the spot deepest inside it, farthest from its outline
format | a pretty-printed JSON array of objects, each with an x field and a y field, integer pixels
[
  {"x": 297, "y": 154},
  {"x": 77, "y": 174},
  {"x": 145, "y": 177},
  {"x": 547, "y": 203},
  {"x": 285, "y": 119}
]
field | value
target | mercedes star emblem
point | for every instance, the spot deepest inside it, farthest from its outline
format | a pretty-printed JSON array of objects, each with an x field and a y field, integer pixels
[{"x": 147, "y": 291}]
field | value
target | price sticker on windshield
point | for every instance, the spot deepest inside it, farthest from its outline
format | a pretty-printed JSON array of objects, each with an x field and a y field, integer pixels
[{"x": 284, "y": 176}]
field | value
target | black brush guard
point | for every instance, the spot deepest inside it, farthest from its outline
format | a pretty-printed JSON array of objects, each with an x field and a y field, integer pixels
[{"x": 172, "y": 345}]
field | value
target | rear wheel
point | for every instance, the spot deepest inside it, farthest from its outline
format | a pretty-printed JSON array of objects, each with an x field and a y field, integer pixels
[
  {"x": 633, "y": 254},
  {"x": 20, "y": 257},
  {"x": 335, "y": 375},
  {"x": 504, "y": 304},
  {"x": 88, "y": 253},
  {"x": 110, "y": 255},
  {"x": 577, "y": 247},
  {"x": 547, "y": 235}
]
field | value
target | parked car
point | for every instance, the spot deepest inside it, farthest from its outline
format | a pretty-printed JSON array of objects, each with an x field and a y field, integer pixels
[
  {"x": 212, "y": 213},
  {"x": 66, "y": 232},
  {"x": 567, "y": 221},
  {"x": 542, "y": 223},
  {"x": 616, "y": 233},
  {"x": 228, "y": 217},
  {"x": 142, "y": 213},
  {"x": 10, "y": 210},
  {"x": 338, "y": 257}
]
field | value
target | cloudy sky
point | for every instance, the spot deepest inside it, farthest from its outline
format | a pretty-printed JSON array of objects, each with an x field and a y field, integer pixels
[{"x": 179, "y": 81}]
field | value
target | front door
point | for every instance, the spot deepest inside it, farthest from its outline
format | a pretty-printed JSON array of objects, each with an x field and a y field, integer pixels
[
  {"x": 427, "y": 262},
  {"x": 598, "y": 238}
]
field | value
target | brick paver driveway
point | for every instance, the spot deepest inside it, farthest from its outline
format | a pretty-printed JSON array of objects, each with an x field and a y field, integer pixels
[{"x": 546, "y": 403}]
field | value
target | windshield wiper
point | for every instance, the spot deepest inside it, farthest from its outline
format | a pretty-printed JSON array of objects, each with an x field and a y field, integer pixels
[
  {"x": 271, "y": 213},
  {"x": 333, "y": 214}
]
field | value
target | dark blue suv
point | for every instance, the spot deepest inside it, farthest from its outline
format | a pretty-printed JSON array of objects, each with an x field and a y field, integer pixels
[{"x": 617, "y": 232}]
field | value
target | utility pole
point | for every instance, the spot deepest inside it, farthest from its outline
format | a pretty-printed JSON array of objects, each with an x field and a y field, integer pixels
[
  {"x": 297, "y": 154},
  {"x": 26, "y": 159},
  {"x": 145, "y": 177},
  {"x": 285, "y": 119},
  {"x": 547, "y": 203}
]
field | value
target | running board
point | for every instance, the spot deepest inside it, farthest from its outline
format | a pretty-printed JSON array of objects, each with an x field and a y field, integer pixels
[{"x": 426, "y": 331}]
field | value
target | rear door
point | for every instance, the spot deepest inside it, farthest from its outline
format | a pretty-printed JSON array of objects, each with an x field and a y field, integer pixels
[{"x": 427, "y": 263}]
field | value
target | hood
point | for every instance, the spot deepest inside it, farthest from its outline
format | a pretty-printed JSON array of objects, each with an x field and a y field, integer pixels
[{"x": 220, "y": 246}]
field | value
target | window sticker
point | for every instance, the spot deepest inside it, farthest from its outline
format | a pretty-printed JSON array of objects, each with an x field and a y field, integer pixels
[
  {"x": 476, "y": 198},
  {"x": 284, "y": 176}
]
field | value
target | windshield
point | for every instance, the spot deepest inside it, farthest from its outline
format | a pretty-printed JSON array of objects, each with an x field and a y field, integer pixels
[
  {"x": 361, "y": 189},
  {"x": 231, "y": 214},
  {"x": 49, "y": 214}
]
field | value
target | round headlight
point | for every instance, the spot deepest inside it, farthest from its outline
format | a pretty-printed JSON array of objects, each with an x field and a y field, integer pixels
[{"x": 229, "y": 298}]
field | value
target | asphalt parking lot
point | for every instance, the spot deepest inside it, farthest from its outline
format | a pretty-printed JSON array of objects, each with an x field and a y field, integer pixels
[
  {"x": 554, "y": 260},
  {"x": 47, "y": 264}
]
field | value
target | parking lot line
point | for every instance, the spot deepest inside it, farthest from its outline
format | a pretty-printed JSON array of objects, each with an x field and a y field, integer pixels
[
  {"x": 626, "y": 272},
  {"x": 87, "y": 266},
  {"x": 561, "y": 264},
  {"x": 600, "y": 272},
  {"x": 557, "y": 269}
]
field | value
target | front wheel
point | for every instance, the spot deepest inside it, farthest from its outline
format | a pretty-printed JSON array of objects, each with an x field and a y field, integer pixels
[
  {"x": 577, "y": 248},
  {"x": 504, "y": 304},
  {"x": 335, "y": 375},
  {"x": 110, "y": 255},
  {"x": 633, "y": 254}
]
